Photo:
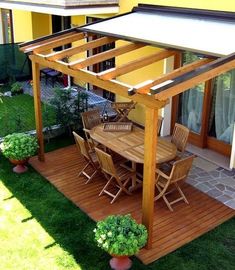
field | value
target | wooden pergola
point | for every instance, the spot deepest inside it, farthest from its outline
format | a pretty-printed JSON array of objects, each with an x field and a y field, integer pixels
[{"x": 153, "y": 94}]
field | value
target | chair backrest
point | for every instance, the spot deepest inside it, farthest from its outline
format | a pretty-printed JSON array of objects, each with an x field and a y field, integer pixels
[
  {"x": 91, "y": 119},
  {"x": 106, "y": 162},
  {"x": 159, "y": 124},
  {"x": 181, "y": 168},
  {"x": 81, "y": 145},
  {"x": 180, "y": 137}
]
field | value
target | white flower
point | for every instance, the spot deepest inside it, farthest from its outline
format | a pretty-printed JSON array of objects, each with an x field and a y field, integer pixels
[
  {"x": 105, "y": 245},
  {"x": 109, "y": 234},
  {"x": 103, "y": 236},
  {"x": 100, "y": 241}
]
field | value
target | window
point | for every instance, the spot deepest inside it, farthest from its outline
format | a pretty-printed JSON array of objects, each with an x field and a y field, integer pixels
[{"x": 7, "y": 26}]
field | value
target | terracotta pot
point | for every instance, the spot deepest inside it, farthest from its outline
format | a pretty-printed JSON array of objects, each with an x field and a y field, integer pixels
[
  {"x": 20, "y": 165},
  {"x": 120, "y": 262}
]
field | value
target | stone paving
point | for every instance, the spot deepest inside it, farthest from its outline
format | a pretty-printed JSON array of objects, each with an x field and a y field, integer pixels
[{"x": 215, "y": 182}]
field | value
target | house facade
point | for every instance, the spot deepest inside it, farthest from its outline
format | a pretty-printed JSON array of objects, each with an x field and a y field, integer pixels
[{"x": 208, "y": 109}]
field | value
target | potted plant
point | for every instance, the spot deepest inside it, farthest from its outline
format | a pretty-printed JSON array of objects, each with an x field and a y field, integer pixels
[
  {"x": 16, "y": 89},
  {"x": 121, "y": 237},
  {"x": 19, "y": 147}
]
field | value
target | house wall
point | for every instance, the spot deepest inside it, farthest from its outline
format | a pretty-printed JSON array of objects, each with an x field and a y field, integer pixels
[
  {"x": 22, "y": 24},
  {"x": 78, "y": 21},
  {"x": 226, "y": 5},
  {"x": 41, "y": 24}
]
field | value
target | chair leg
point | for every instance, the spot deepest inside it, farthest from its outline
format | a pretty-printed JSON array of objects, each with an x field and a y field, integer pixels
[
  {"x": 89, "y": 177},
  {"x": 181, "y": 193},
  {"x": 116, "y": 196},
  {"x": 92, "y": 176},
  {"x": 83, "y": 169},
  {"x": 167, "y": 203},
  {"x": 164, "y": 198},
  {"x": 106, "y": 185}
]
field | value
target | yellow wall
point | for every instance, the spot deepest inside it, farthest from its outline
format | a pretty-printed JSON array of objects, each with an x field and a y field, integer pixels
[
  {"x": 41, "y": 24},
  {"x": 22, "y": 25},
  {"x": 78, "y": 21},
  {"x": 225, "y": 5}
]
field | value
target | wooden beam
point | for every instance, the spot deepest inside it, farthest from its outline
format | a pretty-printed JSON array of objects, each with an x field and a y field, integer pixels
[
  {"x": 113, "y": 86},
  {"x": 144, "y": 88},
  {"x": 191, "y": 79},
  {"x": 28, "y": 48},
  {"x": 38, "y": 109},
  {"x": 57, "y": 42},
  {"x": 150, "y": 144},
  {"x": 134, "y": 65},
  {"x": 78, "y": 49},
  {"x": 94, "y": 59}
]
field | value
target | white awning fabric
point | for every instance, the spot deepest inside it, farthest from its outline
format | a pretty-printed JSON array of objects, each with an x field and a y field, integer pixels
[{"x": 209, "y": 36}]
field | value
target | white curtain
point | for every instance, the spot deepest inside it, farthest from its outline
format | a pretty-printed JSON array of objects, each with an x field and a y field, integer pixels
[
  {"x": 225, "y": 107},
  {"x": 191, "y": 108}
]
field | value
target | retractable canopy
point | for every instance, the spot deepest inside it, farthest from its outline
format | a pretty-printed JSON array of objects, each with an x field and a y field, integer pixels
[{"x": 196, "y": 32}]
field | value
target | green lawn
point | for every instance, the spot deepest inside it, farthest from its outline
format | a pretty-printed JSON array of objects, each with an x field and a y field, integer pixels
[
  {"x": 41, "y": 229},
  {"x": 17, "y": 114}
]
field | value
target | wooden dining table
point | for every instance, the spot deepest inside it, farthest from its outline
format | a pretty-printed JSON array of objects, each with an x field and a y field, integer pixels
[{"x": 130, "y": 145}]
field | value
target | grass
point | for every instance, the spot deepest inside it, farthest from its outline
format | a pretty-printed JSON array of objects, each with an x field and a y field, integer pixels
[
  {"x": 17, "y": 114},
  {"x": 41, "y": 229}
]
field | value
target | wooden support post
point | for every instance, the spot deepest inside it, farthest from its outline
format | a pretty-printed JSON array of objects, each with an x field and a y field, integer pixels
[
  {"x": 37, "y": 109},
  {"x": 150, "y": 143}
]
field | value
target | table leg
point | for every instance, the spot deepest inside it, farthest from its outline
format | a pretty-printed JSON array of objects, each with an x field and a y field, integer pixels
[{"x": 136, "y": 183}]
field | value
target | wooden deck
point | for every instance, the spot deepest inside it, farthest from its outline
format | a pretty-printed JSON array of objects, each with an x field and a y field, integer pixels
[{"x": 171, "y": 230}]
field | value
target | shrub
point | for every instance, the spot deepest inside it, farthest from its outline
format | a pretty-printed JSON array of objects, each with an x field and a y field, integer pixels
[
  {"x": 120, "y": 235},
  {"x": 19, "y": 146},
  {"x": 16, "y": 89},
  {"x": 68, "y": 108}
]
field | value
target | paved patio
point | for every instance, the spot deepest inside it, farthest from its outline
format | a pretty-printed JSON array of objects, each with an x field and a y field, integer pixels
[{"x": 213, "y": 180}]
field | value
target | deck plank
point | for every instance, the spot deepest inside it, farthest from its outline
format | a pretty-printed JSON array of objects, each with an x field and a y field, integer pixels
[{"x": 171, "y": 229}]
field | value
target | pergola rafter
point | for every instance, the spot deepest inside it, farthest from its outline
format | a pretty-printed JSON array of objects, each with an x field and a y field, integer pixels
[
  {"x": 153, "y": 93},
  {"x": 78, "y": 49},
  {"x": 97, "y": 58}
]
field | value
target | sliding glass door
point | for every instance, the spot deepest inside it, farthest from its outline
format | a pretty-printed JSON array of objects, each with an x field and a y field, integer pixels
[
  {"x": 208, "y": 110},
  {"x": 222, "y": 113}
]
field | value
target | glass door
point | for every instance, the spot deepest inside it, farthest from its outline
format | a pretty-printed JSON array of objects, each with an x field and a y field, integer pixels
[
  {"x": 208, "y": 110},
  {"x": 222, "y": 112},
  {"x": 7, "y": 26},
  {"x": 190, "y": 106}
]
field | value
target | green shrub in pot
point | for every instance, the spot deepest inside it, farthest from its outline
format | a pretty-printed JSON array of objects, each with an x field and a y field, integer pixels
[
  {"x": 19, "y": 146},
  {"x": 120, "y": 235}
]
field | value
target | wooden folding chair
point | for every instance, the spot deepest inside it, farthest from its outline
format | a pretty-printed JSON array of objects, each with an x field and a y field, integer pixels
[
  {"x": 90, "y": 119},
  {"x": 165, "y": 181},
  {"x": 117, "y": 175},
  {"x": 122, "y": 109},
  {"x": 180, "y": 137},
  {"x": 159, "y": 124},
  {"x": 89, "y": 156}
]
